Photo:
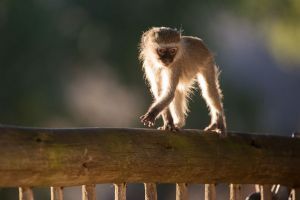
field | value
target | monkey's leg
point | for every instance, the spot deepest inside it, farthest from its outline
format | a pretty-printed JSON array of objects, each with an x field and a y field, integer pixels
[
  {"x": 166, "y": 115},
  {"x": 178, "y": 109},
  {"x": 155, "y": 89},
  {"x": 168, "y": 121},
  {"x": 167, "y": 95},
  {"x": 211, "y": 92}
]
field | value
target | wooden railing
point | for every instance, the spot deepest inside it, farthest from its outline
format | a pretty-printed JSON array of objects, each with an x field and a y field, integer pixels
[{"x": 59, "y": 158}]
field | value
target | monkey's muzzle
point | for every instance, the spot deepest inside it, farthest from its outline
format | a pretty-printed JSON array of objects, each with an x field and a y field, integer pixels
[{"x": 167, "y": 60}]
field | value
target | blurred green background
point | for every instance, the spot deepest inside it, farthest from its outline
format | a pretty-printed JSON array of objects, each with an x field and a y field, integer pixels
[{"x": 70, "y": 63}]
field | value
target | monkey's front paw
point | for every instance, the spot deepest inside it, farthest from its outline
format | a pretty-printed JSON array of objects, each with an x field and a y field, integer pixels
[
  {"x": 169, "y": 127},
  {"x": 148, "y": 119}
]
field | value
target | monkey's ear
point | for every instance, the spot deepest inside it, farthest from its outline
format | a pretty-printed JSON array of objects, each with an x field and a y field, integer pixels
[
  {"x": 144, "y": 33},
  {"x": 143, "y": 40}
]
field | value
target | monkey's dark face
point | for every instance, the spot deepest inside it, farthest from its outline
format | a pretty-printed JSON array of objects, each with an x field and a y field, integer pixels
[{"x": 166, "y": 55}]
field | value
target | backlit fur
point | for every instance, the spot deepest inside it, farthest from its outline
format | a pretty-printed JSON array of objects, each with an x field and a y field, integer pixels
[{"x": 171, "y": 84}]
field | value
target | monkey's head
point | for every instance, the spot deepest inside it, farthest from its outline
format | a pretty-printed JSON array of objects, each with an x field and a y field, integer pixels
[{"x": 160, "y": 43}]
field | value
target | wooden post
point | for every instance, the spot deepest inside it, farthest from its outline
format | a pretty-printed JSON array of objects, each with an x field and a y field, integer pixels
[
  {"x": 25, "y": 193},
  {"x": 120, "y": 191},
  {"x": 181, "y": 191},
  {"x": 265, "y": 192},
  {"x": 235, "y": 192},
  {"x": 210, "y": 192},
  {"x": 150, "y": 191},
  {"x": 57, "y": 193},
  {"x": 89, "y": 192},
  {"x": 295, "y": 194}
]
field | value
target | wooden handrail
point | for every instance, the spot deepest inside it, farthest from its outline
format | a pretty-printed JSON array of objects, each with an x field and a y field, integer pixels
[{"x": 65, "y": 157}]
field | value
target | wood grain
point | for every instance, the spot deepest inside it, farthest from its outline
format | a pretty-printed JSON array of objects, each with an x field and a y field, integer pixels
[
  {"x": 265, "y": 192},
  {"x": 55, "y": 157},
  {"x": 88, "y": 192},
  {"x": 210, "y": 192},
  {"x": 295, "y": 194},
  {"x": 25, "y": 193},
  {"x": 181, "y": 191},
  {"x": 235, "y": 192},
  {"x": 57, "y": 193},
  {"x": 120, "y": 191},
  {"x": 150, "y": 191}
]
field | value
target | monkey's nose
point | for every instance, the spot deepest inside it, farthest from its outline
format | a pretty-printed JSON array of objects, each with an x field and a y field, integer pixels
[{"x": 167, "y": 61}]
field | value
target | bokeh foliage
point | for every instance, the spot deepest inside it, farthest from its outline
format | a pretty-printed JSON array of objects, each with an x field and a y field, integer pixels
[{"x": 50, "y": 46}]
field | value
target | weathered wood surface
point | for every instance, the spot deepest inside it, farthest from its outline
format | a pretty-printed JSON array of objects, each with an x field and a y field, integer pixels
[
  {"x": 210, "y": 192},
  {"x": 265, "y": 192},
  {"x": 88, "y": 192},
  {"x": 55, "y": 157},
  {"x": 235, "y": 192},
  {"x": 150, "y": 191},
  {"x": 182, "y": 191},
  {"x": 295, "y": 194},
  {"x": 120, "y": 191},
  {"x": 25, "y": 193}
]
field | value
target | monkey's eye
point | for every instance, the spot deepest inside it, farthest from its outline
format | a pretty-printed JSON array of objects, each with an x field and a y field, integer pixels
[
  {"x": 161, "y": 51},
  {"x": 173, "y": 51}
]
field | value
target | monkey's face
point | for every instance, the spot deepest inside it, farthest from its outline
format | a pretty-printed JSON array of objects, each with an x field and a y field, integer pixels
[
  {"x": 160, "y": 44},
  {"x": 166, "y": 54}
]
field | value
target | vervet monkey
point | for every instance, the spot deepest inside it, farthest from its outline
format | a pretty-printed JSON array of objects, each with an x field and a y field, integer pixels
[{"x": 172, "y": 63}]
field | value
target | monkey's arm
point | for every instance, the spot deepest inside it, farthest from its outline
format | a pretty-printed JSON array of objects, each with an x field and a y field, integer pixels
[
  {"x": 169, "y": 83},
  {"x": 153, "y": 80}
]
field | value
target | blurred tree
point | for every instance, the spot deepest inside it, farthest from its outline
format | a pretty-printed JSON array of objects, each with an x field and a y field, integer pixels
[
  {"x": 56, "y": 56},
  {"x": 280, "y": 22}
]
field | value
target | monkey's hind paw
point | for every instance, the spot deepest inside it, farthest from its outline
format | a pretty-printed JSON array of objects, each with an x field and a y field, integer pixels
[
  {"x": 216, "y": 128},
  {"x": 169, "y": 127}
]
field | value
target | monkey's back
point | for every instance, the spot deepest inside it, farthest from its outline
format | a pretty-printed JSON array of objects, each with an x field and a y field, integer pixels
[
  {"x": 196, "y": 57},
  {"x": 196, "y": 49}
]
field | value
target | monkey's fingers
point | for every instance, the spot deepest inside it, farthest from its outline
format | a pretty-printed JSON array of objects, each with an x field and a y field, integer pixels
[
  {"x": 146, "y": 121},
  {"x": 142, "y": 117},
  {"x": 151, "y": 124}
]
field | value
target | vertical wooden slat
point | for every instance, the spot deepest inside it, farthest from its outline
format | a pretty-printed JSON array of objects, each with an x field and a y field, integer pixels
[
  {"x": 210, "y": 192},
  {"x": 25, "y": 193},
  {"x": 257, "y": 188},
  {"x": 120, "y": 191},
  {"x": 88, "y": 192},
  {"x": 235, "y": 192},
  {"x": 265, "y": 192},
  {"x": 150, "y": 191},
  {"x": 56, "y": 193},
  {"x": 181, "y": 191},
  {"x": 295, "y": 194}
]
